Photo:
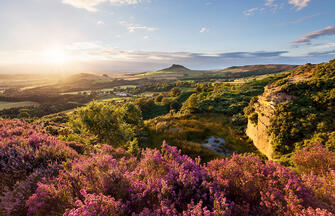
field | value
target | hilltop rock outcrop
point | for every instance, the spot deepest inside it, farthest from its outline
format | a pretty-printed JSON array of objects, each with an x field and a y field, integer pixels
[
  {"x": 294, "y": 111},
  {"x": 265, "y": 109}
]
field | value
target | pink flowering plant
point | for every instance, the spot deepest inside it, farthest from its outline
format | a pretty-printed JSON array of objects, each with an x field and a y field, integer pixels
[
  {"x": 41, "y": 175},
  {"x": 168, "y": 183},
  {"x": 27, "y": 156}
]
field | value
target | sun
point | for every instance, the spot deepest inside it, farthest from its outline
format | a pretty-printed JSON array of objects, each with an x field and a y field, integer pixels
[{"x": 55, "y": 56}]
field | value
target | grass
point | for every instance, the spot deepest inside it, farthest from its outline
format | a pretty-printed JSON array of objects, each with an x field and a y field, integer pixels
[
  {"x": 186, "y": 89},
  {"x": 127, "y": 86},
  {"x": 188, "y": 132},
  {"x": 156, "y": 73},
  {"x": 148, "y": 93},
  {"x": 102, "y": 81},
  {"x": 103, "y": 90},
  {"x": 76, "y": 92},
  {"x": 8, "y": 105},
  {"x": 116, "y": 99},
  {"x": 172, "y": 74}
]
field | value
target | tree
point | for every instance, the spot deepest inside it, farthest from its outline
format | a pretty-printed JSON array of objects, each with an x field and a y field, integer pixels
[
  {"x": 159, "y": 98},
  {"x": 115, "y": 124},
  {"x": 175, "y": 106},
  {"x": 175, "y": 92}
]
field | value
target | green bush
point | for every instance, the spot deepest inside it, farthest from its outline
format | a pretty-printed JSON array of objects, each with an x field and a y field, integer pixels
[{"x": 115, "y": 124}]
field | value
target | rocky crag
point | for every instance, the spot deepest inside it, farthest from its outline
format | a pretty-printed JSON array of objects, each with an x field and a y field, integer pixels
[{"x": 264, "y": 108}]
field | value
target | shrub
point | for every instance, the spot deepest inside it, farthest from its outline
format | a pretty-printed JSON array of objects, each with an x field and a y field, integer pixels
[
  {"x": 115, "y": 124},
  {"x": 323, "y": 187},
  {"x": 258, "y": 188},
  {"x": 27, "y": 156},
  {"x": 316, "y": 159},
  {"x": 168, "y": 183},
  {"x": 99, "y": 205}
]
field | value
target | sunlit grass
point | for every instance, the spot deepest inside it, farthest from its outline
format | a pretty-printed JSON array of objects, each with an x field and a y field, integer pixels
[{"x": 8, "y": 105}]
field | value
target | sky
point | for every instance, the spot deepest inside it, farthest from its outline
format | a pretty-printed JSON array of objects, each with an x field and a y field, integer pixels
[{"x": 112, "y": 36}]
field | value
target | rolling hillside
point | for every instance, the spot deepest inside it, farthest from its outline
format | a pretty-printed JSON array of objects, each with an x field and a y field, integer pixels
[{"x": 181, "y": 72}]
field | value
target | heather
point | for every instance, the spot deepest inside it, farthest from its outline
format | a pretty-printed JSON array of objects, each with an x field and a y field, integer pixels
[
  {"x": 166, "y": 182},
  {"x": 28, "y": 155},
  {"x": 42, "y": 175}
]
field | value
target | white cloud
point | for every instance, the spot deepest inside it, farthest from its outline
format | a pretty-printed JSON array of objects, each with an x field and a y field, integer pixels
[
  {"x": 100, "y": 22},
  {"x": 137, "y": 27},
  {"x": 99, "y": 57},
  {"x": 324, "y": 46},
  {"x": 307, "y": 38},
  {"x": 300, "y": 20},
  {"x": 275, "y": 5},
  {"x": 269, "y": 2},
  {"x": 146, "y": 37},
  {"x": 203, "y": 29},
  {"x": 87, "y": 45},
  {"x": 250, "y": 12},
  {"x": 91, "y": 5},
  {"x": 129, "y": 2},
  {"x": 134, "y": 27},
  {"x": 299, "y": 4}
]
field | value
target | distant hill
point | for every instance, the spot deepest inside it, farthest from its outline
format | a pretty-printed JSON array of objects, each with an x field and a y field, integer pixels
[
  {"x": 248, "y": 68},
  {"x": 177, "y": 68},
  {"x": 180, "y": 72},
  {"x": 82, "y": 77},
  {"x": 81, "y": 81}
]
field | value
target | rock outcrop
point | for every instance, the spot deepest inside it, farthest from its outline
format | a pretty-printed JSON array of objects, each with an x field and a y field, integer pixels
[
  {"x": 277, "y": 128},
  {"x": 265, "y": 108}
]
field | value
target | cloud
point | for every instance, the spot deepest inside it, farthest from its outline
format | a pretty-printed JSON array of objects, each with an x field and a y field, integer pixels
[
  {"x": 299, "y": 4},
  {"x": 91, "y": 5},
  {"x": 87, "y": 45},
  {"x": 300, "y": 20},
  {"x": 103, "y": 58},
  {"x": 203, "y": 29},
  {"x": 134, "y": 27},
  {"x": 97, "y": 57},
  {"x": 250, "y": 12},
  {"x": 183, "y": 57},
  {"x": 138, "y": 27},
  {"x": 127, "y": 2},
  {"x": 322, "y": 53},
  {"x": 324, "y": 46},
  {"x": 306, "y": 39},
  {"x": 269, "y": 2},
  {"x": 274, "y": 5},
  {"x": 100, "y": 22}
]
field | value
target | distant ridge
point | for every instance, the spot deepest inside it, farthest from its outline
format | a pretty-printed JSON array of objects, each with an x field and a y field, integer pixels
[{"x": 177, "y": 71}]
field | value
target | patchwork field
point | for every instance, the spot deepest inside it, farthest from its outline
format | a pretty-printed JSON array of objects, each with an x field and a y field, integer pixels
[{"x": 8, "y": 105}]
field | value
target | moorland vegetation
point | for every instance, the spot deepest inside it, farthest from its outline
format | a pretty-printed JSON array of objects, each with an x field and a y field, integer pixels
[{"x": 143, "y": 154}]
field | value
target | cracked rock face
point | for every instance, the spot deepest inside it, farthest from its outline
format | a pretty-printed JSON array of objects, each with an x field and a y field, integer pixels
[{"x": 265, "y": 108}]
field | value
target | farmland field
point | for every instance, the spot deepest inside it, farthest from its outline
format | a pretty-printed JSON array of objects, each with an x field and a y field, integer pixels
[
  {"x": 8, "y": 105},
  {"x": 103, "y": 90}
]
